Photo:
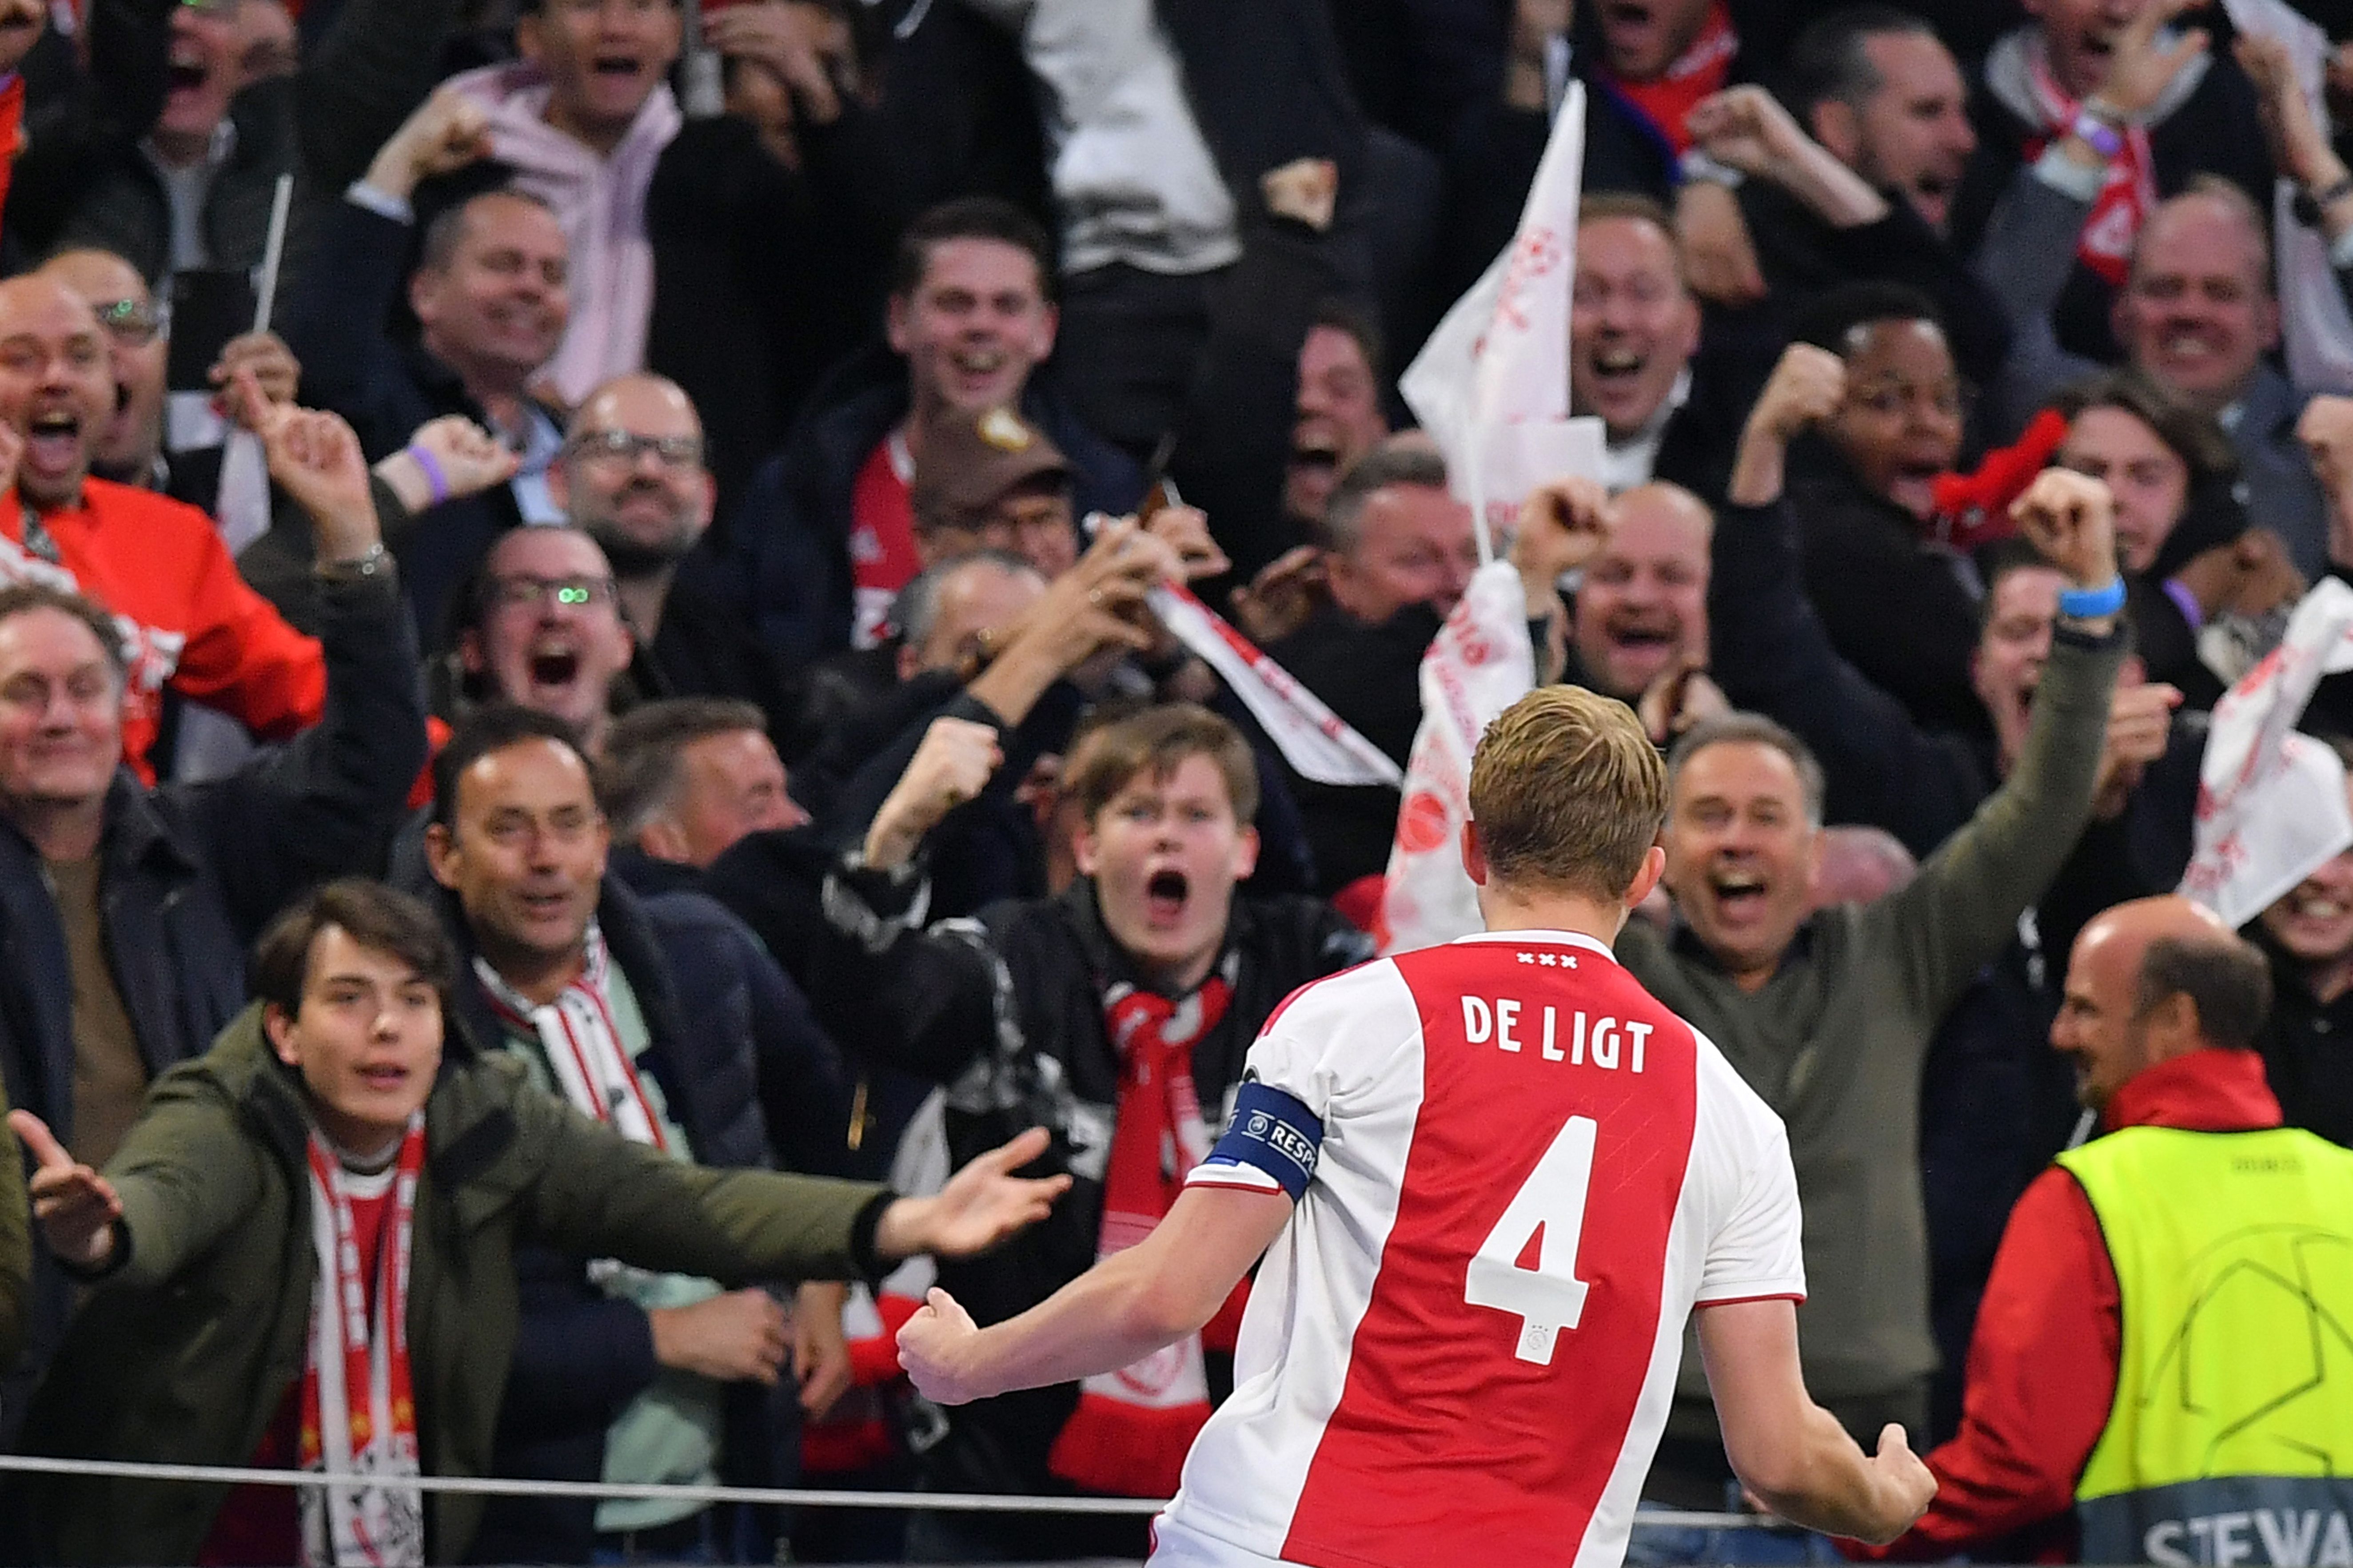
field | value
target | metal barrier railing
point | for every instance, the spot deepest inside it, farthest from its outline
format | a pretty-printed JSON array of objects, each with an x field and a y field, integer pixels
[{"x": 791, "y": 1497}]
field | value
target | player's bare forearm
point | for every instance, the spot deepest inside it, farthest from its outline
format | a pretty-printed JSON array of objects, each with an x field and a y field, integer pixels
[
  {"x": 1116, "y": 1313},
  {"x": 1788, "y": 1450}
]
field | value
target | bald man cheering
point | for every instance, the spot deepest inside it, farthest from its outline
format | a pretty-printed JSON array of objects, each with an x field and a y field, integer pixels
[{"x": 2164, "y": 1352}]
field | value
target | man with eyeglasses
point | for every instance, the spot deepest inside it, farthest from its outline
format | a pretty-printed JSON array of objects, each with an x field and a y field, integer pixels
[
  {"x": 131, "y": 447},
  {"x": 633, "y": 477},
  {"x": 162, "y": 566},
  {"x": 543, "y": 628},
  {"x": 992, "y": 481}
]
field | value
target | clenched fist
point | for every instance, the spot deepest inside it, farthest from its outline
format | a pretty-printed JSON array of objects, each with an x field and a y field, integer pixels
[{"x": 2070, "y": 518}]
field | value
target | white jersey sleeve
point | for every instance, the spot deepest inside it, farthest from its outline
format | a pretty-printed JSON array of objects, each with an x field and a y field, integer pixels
[
  {"x": 1755, "y": 1248},
  {"x": 1329, "y": 1049}
]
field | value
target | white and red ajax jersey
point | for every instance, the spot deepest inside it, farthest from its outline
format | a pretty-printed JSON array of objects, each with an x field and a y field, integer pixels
[{"x": 1526, "y": 1172}]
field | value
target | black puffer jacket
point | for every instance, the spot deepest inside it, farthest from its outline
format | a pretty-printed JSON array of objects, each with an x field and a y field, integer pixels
[{"x": 1007, "y": 1010}]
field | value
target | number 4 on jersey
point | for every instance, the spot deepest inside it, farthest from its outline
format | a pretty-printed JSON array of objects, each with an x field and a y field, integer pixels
[{"x": 1549, "y": 1211}]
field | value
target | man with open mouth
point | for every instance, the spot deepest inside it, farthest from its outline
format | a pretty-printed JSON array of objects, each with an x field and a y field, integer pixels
[
  {"x": 190, "y": 188},
  {"x": 1633, "y": 327},
  {"x": 1900, "y": 607},
  {"x": 1639, "y": 621},
  {"x": 544, "y": 629},
  {"x": 1117, "y": 1013},
  {"x": 157, "y": 563},
  {"x": 1828, "y": 1015},
  {"x": 1856, "y": 177}
]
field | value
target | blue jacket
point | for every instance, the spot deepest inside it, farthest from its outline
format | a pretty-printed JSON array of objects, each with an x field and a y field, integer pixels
[
  {"x": 788, "y": 543},
  {"x": 334, "y": 322},
  {"x": 744, "y": 1070}
]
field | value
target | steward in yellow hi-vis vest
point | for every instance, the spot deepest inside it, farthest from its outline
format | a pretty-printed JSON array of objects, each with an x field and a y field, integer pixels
[
  {"x": 2162, "y": 1369},
  {"x": 2231, "y": 1439}
]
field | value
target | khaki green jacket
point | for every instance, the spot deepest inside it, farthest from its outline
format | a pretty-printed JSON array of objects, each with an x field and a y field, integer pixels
[
  {"x": 1836, "y": 1040},
  {"x": 185, "y": 1353},
  {"x": 16, "y": 1245}
]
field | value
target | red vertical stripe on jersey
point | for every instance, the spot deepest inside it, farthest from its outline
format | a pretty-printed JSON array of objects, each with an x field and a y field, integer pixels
[{"x": 1443, "y": 1441}]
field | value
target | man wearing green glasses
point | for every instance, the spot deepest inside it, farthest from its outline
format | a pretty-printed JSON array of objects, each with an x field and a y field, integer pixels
[{"x": 544, "y": 630}]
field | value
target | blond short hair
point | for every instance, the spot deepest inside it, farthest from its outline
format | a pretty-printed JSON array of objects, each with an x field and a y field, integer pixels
[{"x": 1569, "y": 793}]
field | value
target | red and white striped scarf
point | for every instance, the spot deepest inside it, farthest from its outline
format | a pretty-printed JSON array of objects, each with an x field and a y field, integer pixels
[
  {"x": 2127, "y": 195},
  {"x": 582, "y": 1044},
  {"x": 382, "y": 1524},
  {"x": 1132, "y": 1428}
]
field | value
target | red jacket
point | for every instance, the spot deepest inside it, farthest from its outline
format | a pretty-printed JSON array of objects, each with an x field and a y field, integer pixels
[
  {"x": 2042, "y": 1365},
  {"x": 192, "y": 621}
]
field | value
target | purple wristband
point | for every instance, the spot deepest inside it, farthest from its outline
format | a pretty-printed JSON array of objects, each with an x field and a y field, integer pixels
[
  {"x": 435, "y": 481},
  {"x": 2186, "y": 601},
  {"x": 2099, "y": 136}
]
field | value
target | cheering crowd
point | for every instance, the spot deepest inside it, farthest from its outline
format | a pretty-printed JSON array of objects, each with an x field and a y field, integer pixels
[{"x": 595, "y": 788}]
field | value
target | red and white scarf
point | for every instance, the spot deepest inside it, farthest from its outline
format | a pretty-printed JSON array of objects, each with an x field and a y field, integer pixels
[
  {"x": 2127, "y": 195},
  {"x": 583, "y": 1045},
  {"x": 1699, "y": 72},
  {"x": 1131, "y": 1431},
  {"x": 353, "y": 1349}
]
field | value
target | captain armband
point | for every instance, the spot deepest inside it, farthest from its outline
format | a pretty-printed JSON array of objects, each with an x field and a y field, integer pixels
[{"x": 1270, "y": 1146}]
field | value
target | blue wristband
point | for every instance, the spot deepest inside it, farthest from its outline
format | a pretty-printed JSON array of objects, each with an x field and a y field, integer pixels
[{"x": 2091, "y": 603}]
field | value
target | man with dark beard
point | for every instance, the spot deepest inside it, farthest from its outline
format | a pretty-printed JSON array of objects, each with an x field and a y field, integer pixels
[{"x": 633, "y": 477}]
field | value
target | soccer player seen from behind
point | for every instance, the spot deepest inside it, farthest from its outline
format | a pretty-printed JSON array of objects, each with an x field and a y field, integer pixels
[{"x": 1496, "y": 1177}]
